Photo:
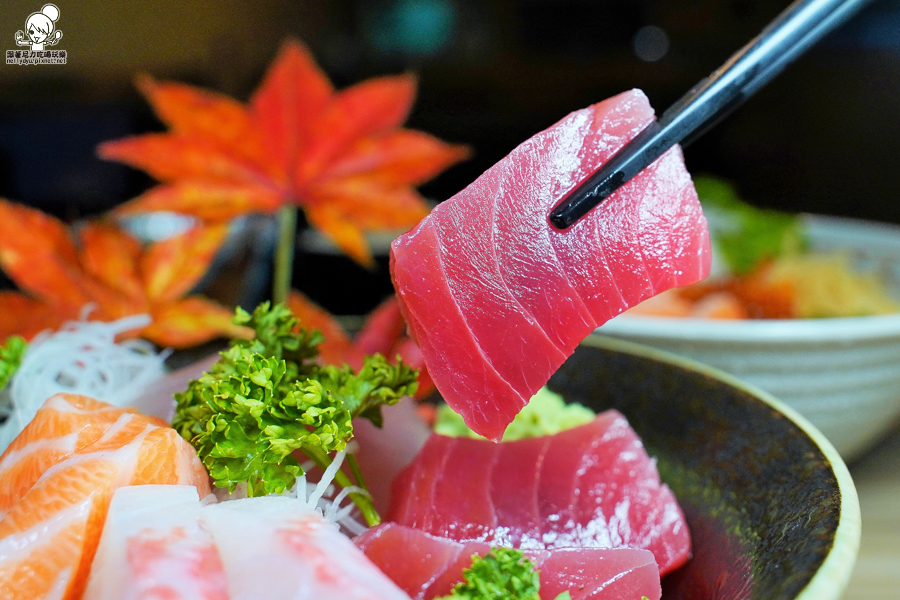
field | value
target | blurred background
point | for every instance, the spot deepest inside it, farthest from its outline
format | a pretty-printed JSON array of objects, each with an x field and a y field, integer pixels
[{"x": 824, "y": 137}]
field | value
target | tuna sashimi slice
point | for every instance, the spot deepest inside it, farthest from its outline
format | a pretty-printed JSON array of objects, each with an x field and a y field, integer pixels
[
  {"x": 422, "y": 565},
  {"x": 426, "y": 284},
  {"x": 597, "y": 487},
  {"x": 514, "y": 493},
  {"x": 49, "y": 534},
  {"x": 557, "y": 486},
  {"x": 417, "y": 480},
  {"x": 614, "y": 574},
  {"x": 154, "y": 547},
  {"x": 465, "y": 519},
  {"x": 511, "y": 277},
  {"x": 484, "y": 297},
  {"x": 426, "y": 566},
  {"x": 618, "y": 485}
]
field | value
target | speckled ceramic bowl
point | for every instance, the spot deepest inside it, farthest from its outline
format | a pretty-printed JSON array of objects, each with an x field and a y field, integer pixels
[
  {"x": 770, "y": 504},
  {"x": 841, "y": 374}
]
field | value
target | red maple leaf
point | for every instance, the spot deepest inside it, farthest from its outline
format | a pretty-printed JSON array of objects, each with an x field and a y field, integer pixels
[
  {"x": 60, "y": 272},
  {"x": 339, "y": 155}
]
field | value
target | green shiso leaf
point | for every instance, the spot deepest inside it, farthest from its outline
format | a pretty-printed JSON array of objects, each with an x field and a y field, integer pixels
[
  {"x": 746, "y": 235},
  {"x": 11, "y": 353},
  {"x": 545, "y": 414}
]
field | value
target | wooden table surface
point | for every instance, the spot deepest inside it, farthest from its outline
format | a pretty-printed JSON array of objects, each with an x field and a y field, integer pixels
[{"x": 877, "y": 477}]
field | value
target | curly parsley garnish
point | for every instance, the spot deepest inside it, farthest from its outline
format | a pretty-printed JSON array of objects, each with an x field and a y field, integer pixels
[
  {"x": 502, "y": 574},
  {"x": 267, "y": 398}
]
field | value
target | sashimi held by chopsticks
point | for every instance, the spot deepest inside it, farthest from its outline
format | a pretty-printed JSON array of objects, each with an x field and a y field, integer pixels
[{"x": 498, "y": 299}]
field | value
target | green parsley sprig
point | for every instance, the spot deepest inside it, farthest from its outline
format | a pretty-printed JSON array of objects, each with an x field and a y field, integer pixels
[
  {"x": 267, "y": 398},
  {"x": 502, "y": 574}
]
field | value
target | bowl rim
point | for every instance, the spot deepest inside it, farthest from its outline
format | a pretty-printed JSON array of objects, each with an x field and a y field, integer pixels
[
  {"x": 838, "y": 329},
  {"x": 889, "y": 232},
  {"x": 833, "y": 575}
]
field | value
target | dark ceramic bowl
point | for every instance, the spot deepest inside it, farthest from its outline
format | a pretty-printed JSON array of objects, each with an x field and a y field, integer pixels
[{"x": 770, "y": 504}]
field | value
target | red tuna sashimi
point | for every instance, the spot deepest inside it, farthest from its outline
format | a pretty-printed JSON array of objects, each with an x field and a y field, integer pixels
[
  {"x": 619, "y": 484},
  {"x": 417, "y": 480},
  {"x": 514, "y": 492},
  {"x": 427, "y": 566},
  {"x": 469, "y": 520},
  {"x": 421, "y": 283},
  {"x": 443, "y": 469},
  {"x": 497, "y": 299},
  {"x": 596, "y": 487}
]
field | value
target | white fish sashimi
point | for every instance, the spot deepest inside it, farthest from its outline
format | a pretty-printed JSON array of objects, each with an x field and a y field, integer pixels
[
  {"x": 153, "y": 546},
  {"x": 279, "y": 548},
  {"x": 164, "y": 542}
]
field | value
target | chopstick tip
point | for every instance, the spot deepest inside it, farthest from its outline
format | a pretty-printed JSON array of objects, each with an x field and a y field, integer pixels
[{"x": 558, "y": 220}]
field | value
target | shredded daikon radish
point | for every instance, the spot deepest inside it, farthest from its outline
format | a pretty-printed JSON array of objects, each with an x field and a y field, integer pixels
[
  {"x": 327, "y": 478},
  {"x": 81, "y": 358},
  {"x": 319, "y": 496}
]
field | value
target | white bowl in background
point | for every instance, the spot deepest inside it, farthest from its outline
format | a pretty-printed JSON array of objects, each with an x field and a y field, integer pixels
[{"x": 842, "y": 374}]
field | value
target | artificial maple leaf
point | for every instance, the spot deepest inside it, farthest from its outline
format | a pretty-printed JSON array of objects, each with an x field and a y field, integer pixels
[
  {"x": 384, "y": 332},
  {"x": 340, "y": 156},
  {"x": 61, "y": 272}
]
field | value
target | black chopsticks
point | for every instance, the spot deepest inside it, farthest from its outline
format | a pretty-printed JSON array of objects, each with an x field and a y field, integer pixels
[{"x": 794, "y": 31}]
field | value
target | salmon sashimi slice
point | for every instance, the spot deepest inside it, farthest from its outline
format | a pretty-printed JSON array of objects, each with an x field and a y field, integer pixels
[
  {"x": 427, "y": 566},
  {"x": 64, "y": 425},
  {"x": 278, "y": 548},
  {"x": 166, "y": 458},
  {"x": 50, "y": 532},
  {"x": 153, "y": 547},
  {"x": 596, "y": 487},
  {"x": 525, "y": 293}
]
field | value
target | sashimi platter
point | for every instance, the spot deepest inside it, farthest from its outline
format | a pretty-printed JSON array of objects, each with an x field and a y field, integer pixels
[{"x": 466, "y": 444}]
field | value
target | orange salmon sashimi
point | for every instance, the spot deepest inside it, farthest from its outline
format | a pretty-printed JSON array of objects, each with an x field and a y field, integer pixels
[
  {"x": 57, "y": 479},
  {"x": 65, "y": 424}
]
